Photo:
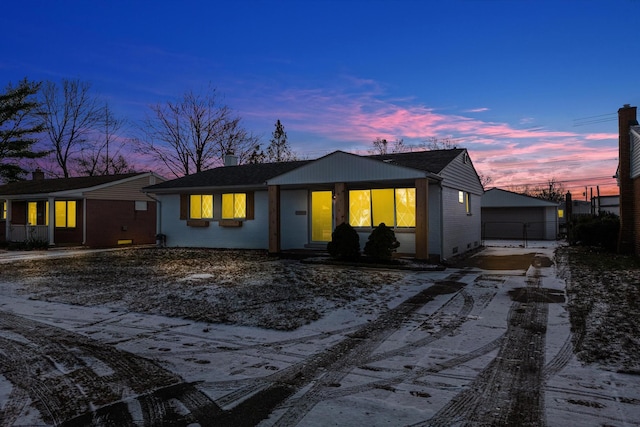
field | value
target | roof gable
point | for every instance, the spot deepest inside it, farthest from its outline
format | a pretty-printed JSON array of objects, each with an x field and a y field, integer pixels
[
  {"x": 345, "y": 167},
  {"x": 497, "y": 198}
]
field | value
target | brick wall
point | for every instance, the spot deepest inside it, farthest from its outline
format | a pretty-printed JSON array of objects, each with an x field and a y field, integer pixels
[
  {"x": 629, "y": 226},
  {"x": 109, "y": 221}
]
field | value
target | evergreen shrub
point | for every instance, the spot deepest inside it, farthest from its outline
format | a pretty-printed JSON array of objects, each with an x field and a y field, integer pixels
[
  {"x": 382, "y": 243},
  {"x": 345, "y": 243}
]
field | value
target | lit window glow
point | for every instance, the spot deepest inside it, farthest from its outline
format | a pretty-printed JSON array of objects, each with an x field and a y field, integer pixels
[
  {"x": 201, "y": 206},
  {"x": 393, "y": 207},
  {"x": 65, "y": 213},
  {"x": 234, "y": 206}
]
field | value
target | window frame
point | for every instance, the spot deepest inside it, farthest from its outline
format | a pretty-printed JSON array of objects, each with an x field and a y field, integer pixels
[
  {"x": 223, "y": 214},
  {"x": 201, "y": 202},
  {"x": 371, "y": 211},
  {"x": 67, "y": 204}
]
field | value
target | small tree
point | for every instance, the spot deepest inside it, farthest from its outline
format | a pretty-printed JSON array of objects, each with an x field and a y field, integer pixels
[
  {"x": 278, "y": 149},
  {"x": 382, "y": 243},
  {"x": 345, "y": 242}
]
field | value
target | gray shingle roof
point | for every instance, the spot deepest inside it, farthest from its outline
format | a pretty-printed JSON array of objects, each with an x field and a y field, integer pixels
[
  {"x": 430, "y": 161},
  {"x": 497, "y": 198},
  {"x": 45, "y": 186},
  {"x": 257, "y": 174}
]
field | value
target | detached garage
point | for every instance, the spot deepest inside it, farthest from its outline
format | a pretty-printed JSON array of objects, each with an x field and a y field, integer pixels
[{"x": 508, "y": 215}]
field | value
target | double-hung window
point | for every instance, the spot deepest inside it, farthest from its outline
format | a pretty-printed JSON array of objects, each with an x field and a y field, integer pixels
[
  {"x": 201, "y": 206},
  {"x": 393, "y": 207},
  {"x": 464, "y": 197}
]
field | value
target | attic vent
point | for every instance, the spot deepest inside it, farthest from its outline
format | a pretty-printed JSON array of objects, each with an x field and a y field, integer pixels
[{"x": 465, "y": 158}]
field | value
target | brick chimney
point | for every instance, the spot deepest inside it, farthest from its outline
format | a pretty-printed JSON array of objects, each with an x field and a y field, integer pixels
[
  {"x": 626, "y": 119},
  {"x": 37, "y": 175}
]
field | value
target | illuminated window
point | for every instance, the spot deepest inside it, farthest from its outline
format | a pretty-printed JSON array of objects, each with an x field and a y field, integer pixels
[
  {"x": 65, "y": 212},
  {"x": 32, "y": 213},
  {"x": 405, "y": 207},
  {"x": 4, "y": 210},
  {"x": 394, "y": 207},
  {"x": 201, "y": 206},
  {"x": 321, "y": 216},
  {"x": 560, "y": 213},
  {"x": 234, "y": 206},
  {"x": 460, "y": 196},
  {"x": 467, "y": 202}
]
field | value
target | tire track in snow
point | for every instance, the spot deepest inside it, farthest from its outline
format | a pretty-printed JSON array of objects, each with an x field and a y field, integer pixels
[
  {"x": 329, "y": 367},
  {"x": 509, "y": 391},
  {"x": 72, "y": 380}
]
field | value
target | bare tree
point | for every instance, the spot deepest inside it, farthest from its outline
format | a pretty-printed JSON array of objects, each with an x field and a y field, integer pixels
[
  {"x": 382, "y": 146},
  {"x": 485, "y": 180},
  {"x": 104, "y": 156},
  {"x": 194, "y": 133},
  {"x": 70, "y": 113},
  {"x": 434, "y": 143},
  {"x": 554, "y": 191}
]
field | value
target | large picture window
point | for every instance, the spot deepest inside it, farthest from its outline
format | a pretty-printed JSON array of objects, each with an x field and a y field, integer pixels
[
  {"x": 201, "y": 206},
  {"x": 65, "y": 212},
  {"x": 234, "y": 206},
  {"x": 394, "y": 207}
]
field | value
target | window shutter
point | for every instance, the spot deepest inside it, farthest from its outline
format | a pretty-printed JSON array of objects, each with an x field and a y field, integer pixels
[
  {"x": 250, "y": 205},
  {"x": 184, "y": 206}
]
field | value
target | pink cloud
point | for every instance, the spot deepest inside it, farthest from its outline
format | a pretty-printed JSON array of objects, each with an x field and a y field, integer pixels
[{"x": 353, "y": 117}]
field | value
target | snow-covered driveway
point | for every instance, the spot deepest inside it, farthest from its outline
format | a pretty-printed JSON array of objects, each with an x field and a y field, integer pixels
[{"x": 299, "y": 344}]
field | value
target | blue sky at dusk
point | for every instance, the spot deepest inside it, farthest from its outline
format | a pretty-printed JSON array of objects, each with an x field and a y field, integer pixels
[{"x": 531, "y": 88}]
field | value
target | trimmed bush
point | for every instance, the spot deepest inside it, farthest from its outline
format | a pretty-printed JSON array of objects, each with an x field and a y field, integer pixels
[
  {"x": 345, "y": 243},
  {"x": 382, "y": 243}
]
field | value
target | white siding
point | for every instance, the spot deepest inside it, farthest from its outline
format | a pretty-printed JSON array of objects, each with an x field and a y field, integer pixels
[
  {"x": 344, "y": 167},
  {"x": 252, "y": 235},
  {"x": 461, "y": 232},
  {"x": 635, "y": 154},
  {"x": 461, "y": 174},
  {"x": 435, "y": 220}
]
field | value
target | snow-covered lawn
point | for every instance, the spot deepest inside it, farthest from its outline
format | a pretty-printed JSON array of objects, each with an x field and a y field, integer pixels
[{"x": 240, "y": 338}]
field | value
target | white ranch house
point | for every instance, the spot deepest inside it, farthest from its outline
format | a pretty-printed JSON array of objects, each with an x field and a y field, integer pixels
[{"x": 431, "y": 199}]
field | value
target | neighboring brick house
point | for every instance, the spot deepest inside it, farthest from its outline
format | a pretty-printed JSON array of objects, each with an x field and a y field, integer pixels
[
  {"x": 628, "y": 175},
  {"x": 431, "y": 199},
  {"x": 95, "y": 211}
]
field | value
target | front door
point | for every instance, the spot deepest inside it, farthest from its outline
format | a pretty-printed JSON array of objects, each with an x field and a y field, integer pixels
[{"x": 321, "y": 216}]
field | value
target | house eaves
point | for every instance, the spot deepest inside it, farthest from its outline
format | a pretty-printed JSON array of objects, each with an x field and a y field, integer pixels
[
  {"x": 497, "y": 198},
  {"x": 32, "y": 189}
]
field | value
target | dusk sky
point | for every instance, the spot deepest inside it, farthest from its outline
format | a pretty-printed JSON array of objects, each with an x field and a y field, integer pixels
[{"x": 530, "y": 88}]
